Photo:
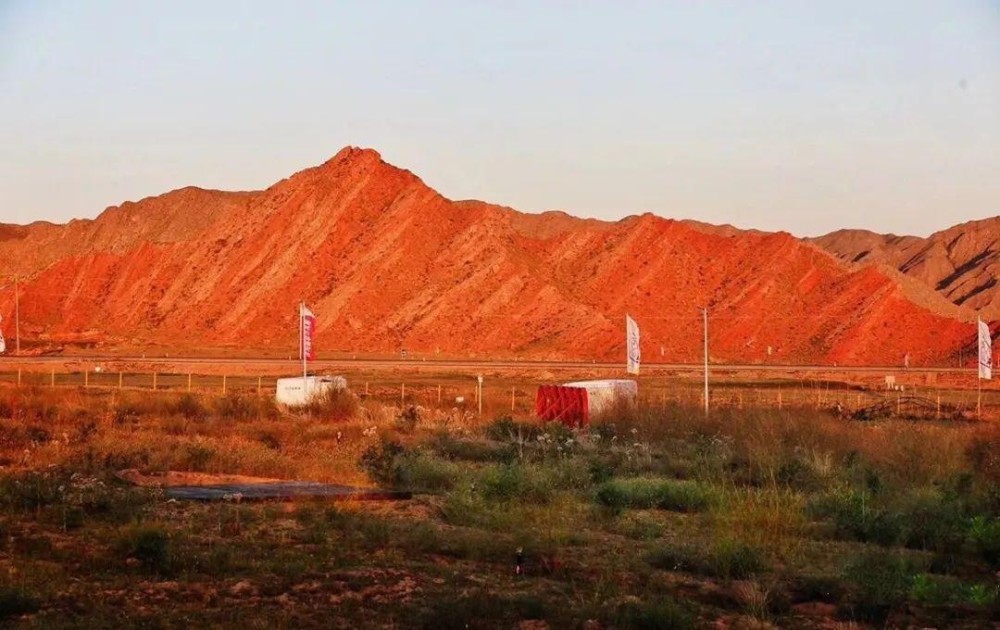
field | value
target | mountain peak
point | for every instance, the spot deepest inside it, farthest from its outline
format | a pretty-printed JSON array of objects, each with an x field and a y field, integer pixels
[{"x": 351, "y": 154}]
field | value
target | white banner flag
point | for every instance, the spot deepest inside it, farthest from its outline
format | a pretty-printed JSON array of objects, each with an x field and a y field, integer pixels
[
  {"x": 632, "y": 345},
  {"x": 985, "y": 351}
]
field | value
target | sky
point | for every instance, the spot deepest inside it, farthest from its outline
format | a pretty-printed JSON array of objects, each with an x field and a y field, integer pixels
[{"x": 797, "y": 116}]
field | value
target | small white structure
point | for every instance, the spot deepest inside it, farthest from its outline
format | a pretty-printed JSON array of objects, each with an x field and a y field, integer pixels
[
  {"x": 301, "y": 390},
  {"x": 604, "y": 394}
]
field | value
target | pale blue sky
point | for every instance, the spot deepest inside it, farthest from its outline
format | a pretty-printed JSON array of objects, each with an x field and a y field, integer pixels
[{"x": 801, "y": 116}]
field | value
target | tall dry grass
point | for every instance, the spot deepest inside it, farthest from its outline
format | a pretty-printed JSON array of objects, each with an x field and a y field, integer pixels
[{"x": 234, "y": 434}]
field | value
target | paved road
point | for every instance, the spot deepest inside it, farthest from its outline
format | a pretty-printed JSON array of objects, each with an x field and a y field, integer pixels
[{"x": 465, "y": 364}]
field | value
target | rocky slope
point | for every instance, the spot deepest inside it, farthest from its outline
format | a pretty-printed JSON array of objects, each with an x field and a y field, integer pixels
[
  {"x": 961, "y": 263},
  {"x": 388, "y": 263}
]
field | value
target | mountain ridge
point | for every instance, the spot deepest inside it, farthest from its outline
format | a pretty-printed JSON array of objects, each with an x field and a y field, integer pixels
[
  {"x": 960, "y": 263},
  {"x": 387, "y": 262}
]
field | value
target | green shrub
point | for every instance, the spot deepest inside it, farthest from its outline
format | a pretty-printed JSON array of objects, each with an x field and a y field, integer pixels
[
  {"x": 515, "y": 482},
  {"x": 727, "y": 559},
  {"x": 856, "y": 516},
  {"x": 735, "y": 560},
  {"x": 31, "y": 490},
  {"x": 473, "y": 451},
  {"x": 985, "y": 595},
  {"x": 15, "y": 602},
  {"x": 984, "y": 534},
  {"x": 423, "y": 472},
  {"x": 480, "y": 609},
  {"x": 933, "y": 522},
  {"x": 660, "y": 614},
  {"x": 601, "y": 471},
  {"x": 149, "y": 545},
  {"x": 640, "y": 527},
  {"x": 382, "y": 462},
  {"x": 798, "y": 475},
  {"x": 389, "y": 463},
  {"x": 613, "y": 496},
  {"x": 663, "y": 494},
  {"x": 937, "y": 590},
  {"x": 570, "y": 473},
  {"x": 811, "y": 588},
  {"x": 506, "y": 429},
  {"x": 882, "y": 582}
]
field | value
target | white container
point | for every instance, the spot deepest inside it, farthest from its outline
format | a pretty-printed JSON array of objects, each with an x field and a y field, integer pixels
[
  {"x": 298, "y": 391},
  {"x": 604, "y": 394}
]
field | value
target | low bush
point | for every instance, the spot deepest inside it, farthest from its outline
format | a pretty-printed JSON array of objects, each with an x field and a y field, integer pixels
[
  {"x": 811, "y": 588},
  {"x": 31, "y": 490},
  {"x": 382, "y": 461},
  {"x": 389, "y": 463},
  {"x": 473, "y": 451},
  {"x": 659, "y": 614},
  {"x": 506, "y": 429},
  {"x": 984, "y": 534},
  {"x": 236, "y": 407},
  {"x": 569, "y": 473},
  {"x": 188, "y": 406},
  {"x": 933, "y": 522},
  {"x": 423, "y": 472},
  {"x": 195, "y": 456},
  {"x": 857, "y": 516},
  {"x": 922, "y": 520},
  {"x": 881, "y": 582},
  {"x": 727, "y": 559},
  {"x": 663, "y": 494},
  {"x": 334, "y": 404},
  {"x": 150, "y": 546},
  {"x": 940, "y": 590},
  {"x": 735, "y": 560},
  {"x": 515, "y": 482},
  {"x": 15, "y": 602},
  {"x": 799, "y": 475},
  {"x": 483, "y": 609},
  {"x": 638, "y": 526}
]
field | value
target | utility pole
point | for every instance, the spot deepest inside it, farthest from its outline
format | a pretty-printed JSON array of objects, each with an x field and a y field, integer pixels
[
  {"x": 479, "y": 393},
  {"x": 17, "y": 318},
  {"x": 704, "y": 313}
]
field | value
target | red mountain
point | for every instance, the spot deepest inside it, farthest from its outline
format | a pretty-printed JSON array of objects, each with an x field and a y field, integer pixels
[{"x": 386, "y": 262}]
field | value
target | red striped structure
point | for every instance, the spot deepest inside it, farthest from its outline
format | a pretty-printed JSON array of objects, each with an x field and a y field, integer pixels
[{"x": 568, "y": 405}]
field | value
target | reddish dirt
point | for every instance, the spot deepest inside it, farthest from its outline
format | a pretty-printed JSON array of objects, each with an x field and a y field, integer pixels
[
  {"x": 388, "y": 263},
  {"x": 960, "y": 262}
]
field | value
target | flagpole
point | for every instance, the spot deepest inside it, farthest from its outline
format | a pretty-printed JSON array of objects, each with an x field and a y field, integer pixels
[
  {"x": 704, "y": 313},
  {"x": 979, "y": 368},
  {"x": 17, "y": 317},
  {"x": 302, "y": 340}
]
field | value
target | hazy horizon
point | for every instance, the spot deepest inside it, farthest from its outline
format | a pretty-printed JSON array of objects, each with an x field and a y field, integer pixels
[{"x": 771, "y": 117}]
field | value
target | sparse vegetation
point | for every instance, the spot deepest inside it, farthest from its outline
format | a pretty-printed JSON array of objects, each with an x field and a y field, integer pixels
[{"x": 654, "y": 516}]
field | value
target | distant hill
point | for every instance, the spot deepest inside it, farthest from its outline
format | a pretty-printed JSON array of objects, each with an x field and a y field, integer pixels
[{"x": 961, "y": 263}]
